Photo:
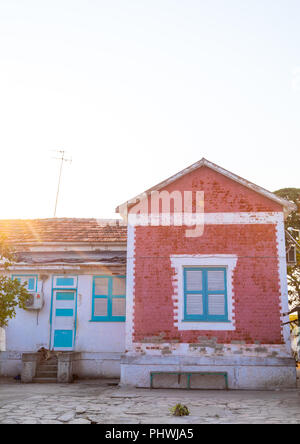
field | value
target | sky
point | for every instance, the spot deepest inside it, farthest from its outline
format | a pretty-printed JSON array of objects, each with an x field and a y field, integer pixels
[{"x": 136, "y": 90}]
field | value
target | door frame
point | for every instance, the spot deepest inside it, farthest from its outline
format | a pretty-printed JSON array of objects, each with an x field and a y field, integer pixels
[{"x": 62, "y": 289}]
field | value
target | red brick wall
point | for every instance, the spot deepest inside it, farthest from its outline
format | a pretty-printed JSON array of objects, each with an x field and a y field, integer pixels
[
  {"x": 256, "y": 279},
  {"x": 222, "y": 194}
]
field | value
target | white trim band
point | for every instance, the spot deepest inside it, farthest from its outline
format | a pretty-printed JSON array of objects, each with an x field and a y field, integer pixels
[{"x": 190, "y": 219}]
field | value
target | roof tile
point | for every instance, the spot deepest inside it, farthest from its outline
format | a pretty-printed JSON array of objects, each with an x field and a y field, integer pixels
[{"x": 63, "y": 230}]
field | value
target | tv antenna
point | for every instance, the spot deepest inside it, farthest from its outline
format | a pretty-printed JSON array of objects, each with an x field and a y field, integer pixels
[{"x": 62, "y": 159}]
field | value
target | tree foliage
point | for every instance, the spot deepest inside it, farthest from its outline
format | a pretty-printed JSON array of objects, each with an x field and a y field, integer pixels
[
  {"x": 293, "y": 221},
  {"x": 13, "y": 294}
]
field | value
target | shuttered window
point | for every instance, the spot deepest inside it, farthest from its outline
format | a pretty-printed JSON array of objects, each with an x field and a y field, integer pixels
[
  {"x": 291, "y": 255},
  {"x": 205, "y": 297},
  {"x": 109, "y": 299},
  {"x": 29, "y": 279}
]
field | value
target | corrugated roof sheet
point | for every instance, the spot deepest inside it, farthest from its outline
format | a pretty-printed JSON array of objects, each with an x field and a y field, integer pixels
[{"x": 63, "y": 230}]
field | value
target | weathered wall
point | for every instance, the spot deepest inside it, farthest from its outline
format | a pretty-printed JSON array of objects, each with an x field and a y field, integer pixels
[
  {"x": 242, "y": 226},
  {"x": 255, "y": 281},
  {"x": 221, "y": 194},
  {"x": 101, "y": 343},
  {"x": 256, "y": 277}
]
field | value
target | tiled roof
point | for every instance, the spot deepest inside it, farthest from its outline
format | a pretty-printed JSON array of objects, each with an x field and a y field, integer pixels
[{"x": 63, "y": 230}]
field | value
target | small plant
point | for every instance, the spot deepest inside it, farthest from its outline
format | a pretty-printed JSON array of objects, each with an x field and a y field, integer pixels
[{"x": 180, "y": 410}]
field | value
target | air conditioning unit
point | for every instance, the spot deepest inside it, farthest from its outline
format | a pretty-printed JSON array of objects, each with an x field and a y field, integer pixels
[{"x": 35, "y": 302}]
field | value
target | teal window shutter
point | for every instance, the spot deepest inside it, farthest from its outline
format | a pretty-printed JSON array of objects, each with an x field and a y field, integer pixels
[
  {"x": 109, "y": 299},
  {"x": 31, "y": 282},
  {"x": 205, "y": 294}
]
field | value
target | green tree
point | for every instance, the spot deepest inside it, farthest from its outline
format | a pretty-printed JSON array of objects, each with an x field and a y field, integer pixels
[
  {"x": 293, "y": 221},
  {"x": 13, "y": 294}
]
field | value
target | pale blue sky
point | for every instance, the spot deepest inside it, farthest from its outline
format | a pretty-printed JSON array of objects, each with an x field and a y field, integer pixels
[{"x": 136, "y": 90}]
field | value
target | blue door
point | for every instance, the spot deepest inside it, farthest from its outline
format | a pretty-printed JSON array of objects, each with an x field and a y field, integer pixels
[{"x": 63, "y": 320}]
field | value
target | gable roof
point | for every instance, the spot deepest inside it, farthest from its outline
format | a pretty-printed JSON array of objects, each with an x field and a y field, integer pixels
[
  {"x": 288, "y": 206},
  {"x": 39, "y": 231}
]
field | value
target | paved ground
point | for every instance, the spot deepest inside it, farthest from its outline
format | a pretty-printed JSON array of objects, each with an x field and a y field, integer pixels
[{"x": 91, "y": 402}]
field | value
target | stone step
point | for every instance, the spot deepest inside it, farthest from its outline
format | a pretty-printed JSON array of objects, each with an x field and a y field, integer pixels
[
  {"x": 51, "y": 361},
  {"x": 46, "y": 374},
  {"x": 47, "y": 367},
  {"x": 44, "y": 380}
]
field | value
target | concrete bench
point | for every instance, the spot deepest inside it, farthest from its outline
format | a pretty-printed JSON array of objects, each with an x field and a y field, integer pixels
[{"x": 188, "y": 376}]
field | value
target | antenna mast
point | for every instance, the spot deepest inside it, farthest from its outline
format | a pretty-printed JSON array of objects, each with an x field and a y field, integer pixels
[{"x": 62, "y": 159}]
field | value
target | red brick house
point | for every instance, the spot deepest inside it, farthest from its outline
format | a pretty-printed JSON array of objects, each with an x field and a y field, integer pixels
[
  {"x": 189, "y": 294},
  {"x": 205, "y": 303}
]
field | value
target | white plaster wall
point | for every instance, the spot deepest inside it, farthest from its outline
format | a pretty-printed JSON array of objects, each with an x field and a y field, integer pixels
[
  {"x": 30, "y": 330},
  {"x": 95, "y": 336},
  {"x": 239, "y": 378},
  {"x": 243, "y": 373}
]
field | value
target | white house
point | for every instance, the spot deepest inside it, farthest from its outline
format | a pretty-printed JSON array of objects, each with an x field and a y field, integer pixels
[
  {"x": 75, "y": 269},
  {"x": 194, "y": 303}
]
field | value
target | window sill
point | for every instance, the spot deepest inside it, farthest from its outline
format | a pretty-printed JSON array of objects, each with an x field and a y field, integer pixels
[
  {"x": 108, "y": 320},
  {"x": 213, "y": 321},
  {"x": 187, "y": 325}
]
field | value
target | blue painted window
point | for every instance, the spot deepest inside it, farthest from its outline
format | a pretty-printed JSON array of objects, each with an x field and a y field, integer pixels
[
  {"x": 205, "y": 294},
  {"x": 29, "y": 279},
  {"x": 65, "y": 281},
  {"x": 109, "y": 299}
]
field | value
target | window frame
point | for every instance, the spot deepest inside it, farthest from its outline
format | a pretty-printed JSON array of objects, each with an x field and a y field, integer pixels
[
  {"x": 205, "y": 317},
  {"x": 109, "y": 317},
  {"x": 63, "y": 285},
  {"x": 30, "y": 276},
  {"x": 178, "y": 262},
  {"x": 293, "y": 261}
]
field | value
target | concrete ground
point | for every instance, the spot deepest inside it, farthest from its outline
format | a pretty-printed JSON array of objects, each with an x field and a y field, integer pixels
[{"x": 104, "y": 402}]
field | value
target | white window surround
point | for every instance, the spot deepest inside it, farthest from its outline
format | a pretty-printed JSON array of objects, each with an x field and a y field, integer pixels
[{"x": 178, "y": 262}]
